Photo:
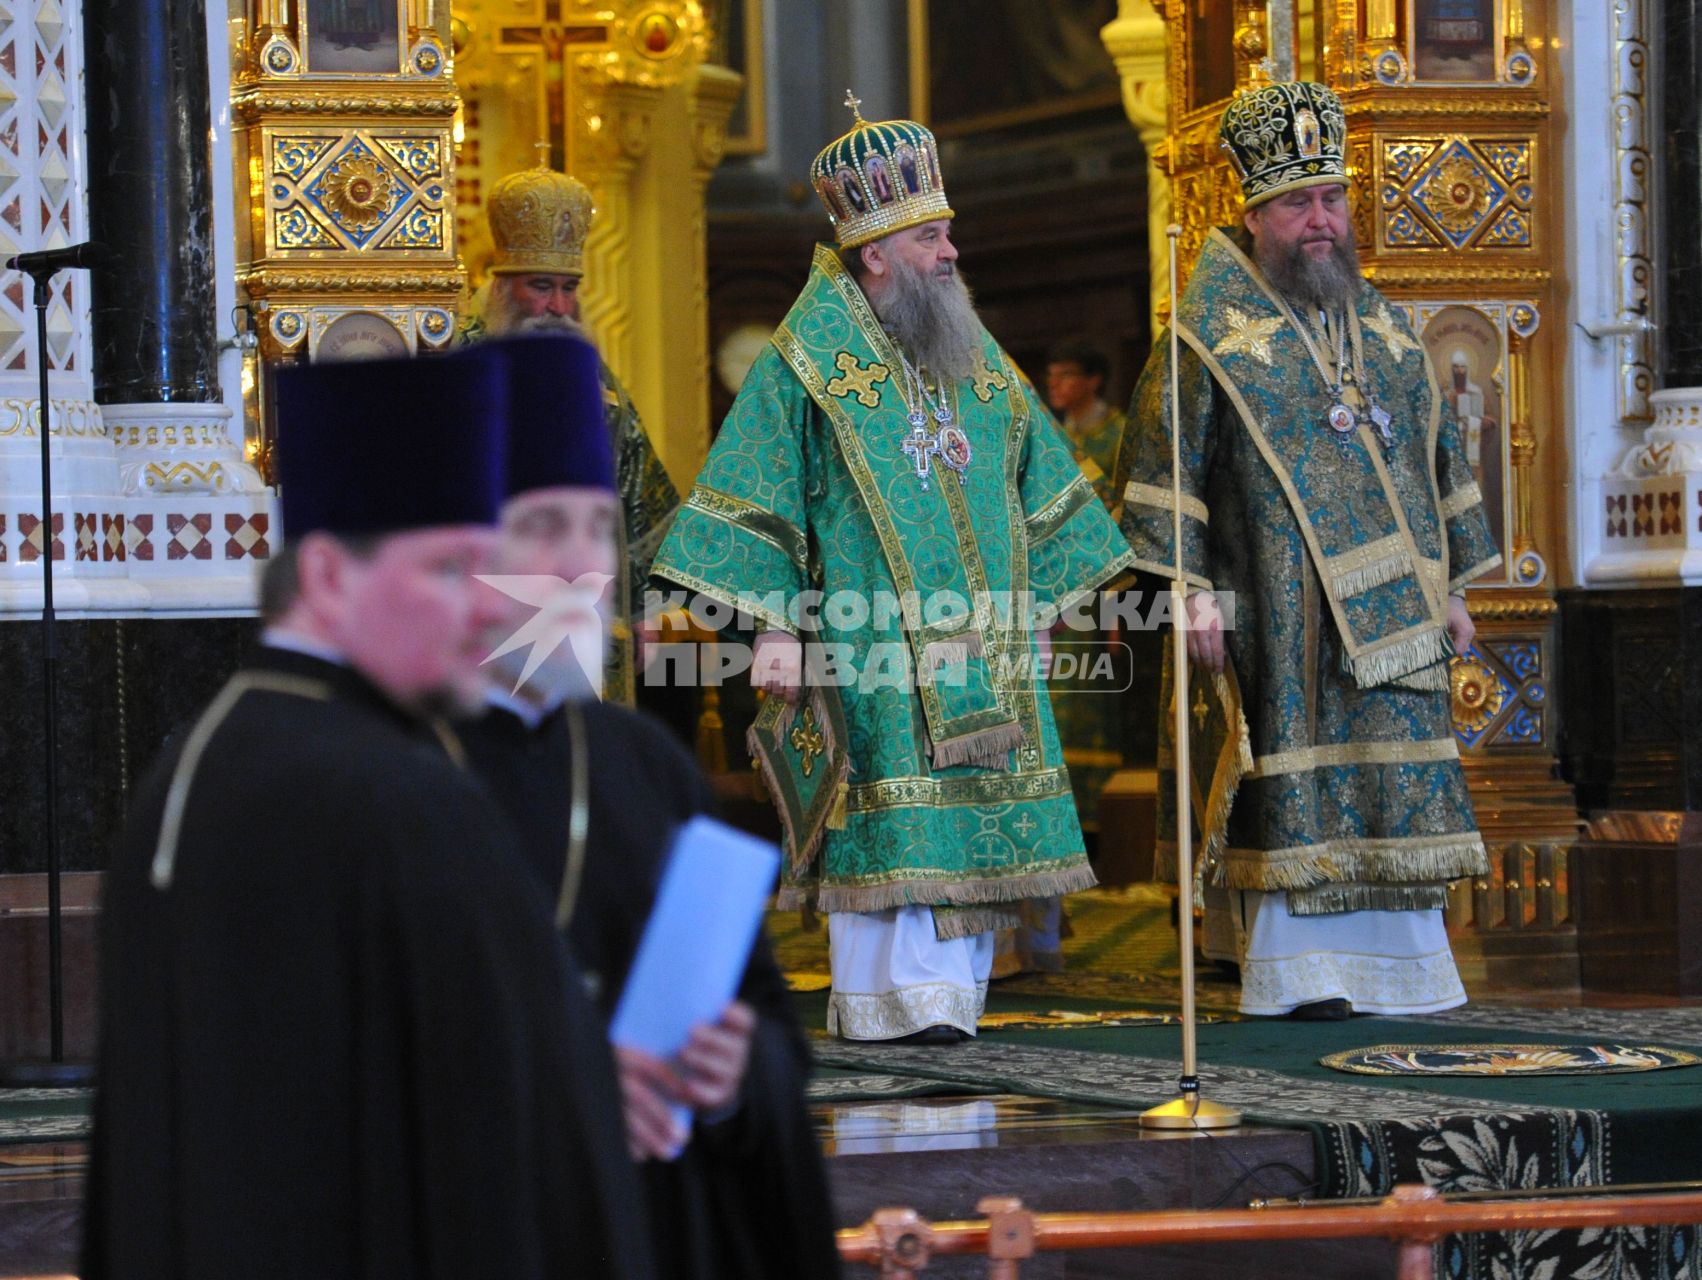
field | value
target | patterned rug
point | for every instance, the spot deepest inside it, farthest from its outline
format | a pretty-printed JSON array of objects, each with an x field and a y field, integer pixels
[{"x": 1507, "y": 1059}]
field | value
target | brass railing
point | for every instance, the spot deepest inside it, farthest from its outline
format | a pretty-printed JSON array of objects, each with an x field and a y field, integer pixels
[{"x": 901, "y": 1243}]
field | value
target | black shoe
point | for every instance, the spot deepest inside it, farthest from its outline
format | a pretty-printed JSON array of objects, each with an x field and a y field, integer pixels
[
  {"x": 1336, "y": 1010},
  {"x": 939, "y": 1034}
]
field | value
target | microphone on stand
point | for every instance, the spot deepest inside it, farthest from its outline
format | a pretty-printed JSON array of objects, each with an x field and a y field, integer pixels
[{"x": 91, "y": 253}]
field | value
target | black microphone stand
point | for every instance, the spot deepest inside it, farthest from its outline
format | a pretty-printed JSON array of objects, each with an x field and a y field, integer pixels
[{"x": 55, "y": 1073}]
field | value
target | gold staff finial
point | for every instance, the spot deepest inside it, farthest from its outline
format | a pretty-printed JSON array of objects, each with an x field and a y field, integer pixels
[
  {"x": 543, "y": 150},
  {"x": 856, "y": 105}
]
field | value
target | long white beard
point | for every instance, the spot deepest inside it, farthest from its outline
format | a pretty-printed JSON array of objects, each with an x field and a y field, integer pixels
[
  {"x": 504, "y": 315},
  {"x": 933, "y": 319}
]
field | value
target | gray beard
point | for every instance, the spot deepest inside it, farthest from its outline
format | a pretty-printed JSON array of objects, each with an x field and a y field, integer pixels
[
  {"x": 933, "y": 320},
  {"x": 1313, "y": 284},
  {"x": 504, "y": 316}
]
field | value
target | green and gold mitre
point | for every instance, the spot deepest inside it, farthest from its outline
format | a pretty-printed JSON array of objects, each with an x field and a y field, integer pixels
[
  {"x": 1285, "y": 136},
  {"x": 879, "y": 178}
]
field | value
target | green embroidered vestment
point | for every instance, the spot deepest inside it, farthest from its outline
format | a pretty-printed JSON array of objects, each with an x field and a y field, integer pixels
[
  {"x": 958, "y": 796},
  {"x": 1340, "y": 553}
]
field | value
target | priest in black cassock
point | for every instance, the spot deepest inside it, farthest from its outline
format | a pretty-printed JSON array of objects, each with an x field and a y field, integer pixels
[
  {"x": 597, "y": 791},
  {"x": 340, "y": 1036}
]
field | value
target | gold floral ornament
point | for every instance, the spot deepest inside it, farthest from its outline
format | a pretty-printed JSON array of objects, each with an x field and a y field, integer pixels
[
  {"x": 357, "y": 192},
  {"x": 1383, "y": 325},
  {"x": 1248, "y": 335},
  {"x": 1478, "y": 695},
  {"x": 1285, "y": 136},
  {"x": 539, "y": 220},
  {"x": 1458, "y": 195}
]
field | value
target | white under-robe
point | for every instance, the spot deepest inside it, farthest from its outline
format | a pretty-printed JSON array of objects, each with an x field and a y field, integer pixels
[
  {"x": 1384, "y": 962},
  {"x": 892, "y": 976}
]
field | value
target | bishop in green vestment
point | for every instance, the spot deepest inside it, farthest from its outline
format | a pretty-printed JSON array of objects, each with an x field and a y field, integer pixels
[
  {"x": 1324, "y": 491},
  {"x": 884, "y": 502}
]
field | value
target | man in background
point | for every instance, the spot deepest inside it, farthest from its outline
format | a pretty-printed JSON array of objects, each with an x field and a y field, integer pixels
[{"x": 539, "y": 220}]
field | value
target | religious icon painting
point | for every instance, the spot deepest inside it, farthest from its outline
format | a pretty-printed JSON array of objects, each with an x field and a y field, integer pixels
[
  {"x": 954, "y": 449},
  {"x": 879, "y": 182},
  {"x": 836, "y": 200},
  {"x": 1454, "y": 40},
  {"x": 934, "y": 183},
  {"x": 1307, "y": 136},
  {"x": 905, "y": 155},
  {"x": 1467, "y": 350},
  {"x": 848, "y": 187}
]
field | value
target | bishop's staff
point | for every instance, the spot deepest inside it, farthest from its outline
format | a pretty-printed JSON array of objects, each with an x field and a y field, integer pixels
[{"x": 1190, "y": 1111}]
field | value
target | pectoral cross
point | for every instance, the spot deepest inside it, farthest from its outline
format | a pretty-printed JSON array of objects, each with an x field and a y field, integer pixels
[
  {"x": 807, "y": 740},
  {"x": 922, "y": 448}
]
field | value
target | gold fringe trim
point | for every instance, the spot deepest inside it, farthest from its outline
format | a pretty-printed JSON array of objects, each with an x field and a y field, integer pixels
[
  {"x": 970, "y": 893},
  {"x": 1390, "y": 662},
  {"x": 1431, "y": 679},
  {"x": 1234, "y": 764},
  {"x": 1353, "y": 582},
  {"x": 1336, "y": 898},
  {"x": 1404, "y": 861},
  {"x": 840, "y": 814},
  {"x": 985, "y": 749},
  {"x": 966, "y": 922}
]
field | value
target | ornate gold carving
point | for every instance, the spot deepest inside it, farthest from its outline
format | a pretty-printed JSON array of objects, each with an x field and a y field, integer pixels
[
  {"x": 1399, "y": 108},
  {"x": 250, "y": 106},
  {"x": 1478, "y": 695},
  {"x": 358, "y": 192},
  {"x": 1470, "y": 274},
  {"x": 185, "y": 476},
  {"x": 262, "y": 281},
  {"x": 1492, "y": 609}
]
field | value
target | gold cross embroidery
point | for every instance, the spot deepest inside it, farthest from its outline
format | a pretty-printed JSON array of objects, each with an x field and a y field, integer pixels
[
  {"x": 1201, "y": 710},
  {"x": 1248, "y": 335},
  {"x": 855, "y": 379},
  {"x": 1383, "y": 325},
  {"x": 988, "y": 381},
  {"x": 1025, "y": 826},
  {"x": 808, "y": 740}
]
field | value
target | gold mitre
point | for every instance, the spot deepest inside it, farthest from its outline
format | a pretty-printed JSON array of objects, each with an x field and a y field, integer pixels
[
  {"x": 879, "y": 178},
  {"x": 539, "y": 220}
]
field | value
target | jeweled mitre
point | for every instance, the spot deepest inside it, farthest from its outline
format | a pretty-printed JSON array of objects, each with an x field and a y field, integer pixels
[
  {"x": 879, "y": 178},
  {"x": 1284, "y": 136},
  {"x": 539, "y": 220}
]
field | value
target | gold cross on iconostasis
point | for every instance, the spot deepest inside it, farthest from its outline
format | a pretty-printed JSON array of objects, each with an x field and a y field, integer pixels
[{"x": 552, "y": 42}]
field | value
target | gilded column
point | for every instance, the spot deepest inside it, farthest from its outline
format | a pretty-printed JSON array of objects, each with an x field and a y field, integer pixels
[
  {"x": 715, "y": 93},
  {"x": 1136, "y": 42},
  {"x": 618, "y": 134}
]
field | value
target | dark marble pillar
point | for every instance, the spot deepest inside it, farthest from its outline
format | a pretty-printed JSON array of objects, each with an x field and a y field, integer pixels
[
  {"x": 150, "y": 199},
  {"x": 125, "y": 689},
  {"x": 1680, "y": 62}
]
